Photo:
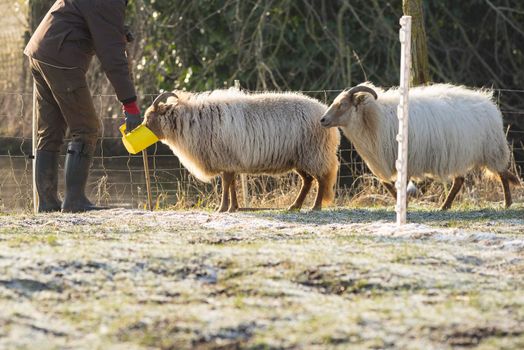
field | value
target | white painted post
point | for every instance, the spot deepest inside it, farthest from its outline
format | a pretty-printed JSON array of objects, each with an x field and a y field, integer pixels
[
  {"x": 403, "y": 118},
  {"x": 243, "y": 177},
  {"x": 34, "y": 135}
]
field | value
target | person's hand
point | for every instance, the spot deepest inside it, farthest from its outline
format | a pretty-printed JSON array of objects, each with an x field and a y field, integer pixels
[
  {"x": 133, "y": 121},
  {"x": 133, "y": 116}
]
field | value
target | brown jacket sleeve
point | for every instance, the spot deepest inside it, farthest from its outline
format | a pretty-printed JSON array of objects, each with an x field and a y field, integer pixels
[{"x": 106, "y": 25}]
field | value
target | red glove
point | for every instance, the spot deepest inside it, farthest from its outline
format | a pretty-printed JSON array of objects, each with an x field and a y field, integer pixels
[{"x": 131, "y": 108}]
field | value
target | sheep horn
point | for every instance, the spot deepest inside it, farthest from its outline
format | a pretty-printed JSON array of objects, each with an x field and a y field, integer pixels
[
  {"x": 161, "y": 97},
  {"x": 362, "y": 88}
]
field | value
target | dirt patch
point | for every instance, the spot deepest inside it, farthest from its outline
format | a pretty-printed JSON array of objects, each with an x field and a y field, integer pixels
[{"x": 469, "y": 337}]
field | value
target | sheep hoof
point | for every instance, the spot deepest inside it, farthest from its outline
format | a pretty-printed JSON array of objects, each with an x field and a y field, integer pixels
[
  {"x": 319, "y": 208},
  {"x": 293, "y": 208},
  {"x": 445, "y": 207},
  {"x": 232, "y": 209},
  {"x": 222, "y": 210}
]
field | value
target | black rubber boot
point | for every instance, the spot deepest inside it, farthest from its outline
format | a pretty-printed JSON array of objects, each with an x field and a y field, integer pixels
[
  {"x": 47, "y": 181},
  {"x": 78, "y": 161}
]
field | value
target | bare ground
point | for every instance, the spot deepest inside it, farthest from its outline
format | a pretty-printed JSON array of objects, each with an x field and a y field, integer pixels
[{"x": 347, "y": 278}]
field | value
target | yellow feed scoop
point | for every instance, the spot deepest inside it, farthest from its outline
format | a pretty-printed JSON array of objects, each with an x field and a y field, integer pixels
[{"x": 138, "y": 139}]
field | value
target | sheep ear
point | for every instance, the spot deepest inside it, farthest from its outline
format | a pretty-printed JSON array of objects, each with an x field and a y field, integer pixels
[
  {"x": 161, "y": 108},
  {"x": 358, "y": 98}
]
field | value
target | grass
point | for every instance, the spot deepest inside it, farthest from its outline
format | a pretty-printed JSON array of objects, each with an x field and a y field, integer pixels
[
  {"x": 343, "y": 278},
  {"x": 278, "y": 192}
]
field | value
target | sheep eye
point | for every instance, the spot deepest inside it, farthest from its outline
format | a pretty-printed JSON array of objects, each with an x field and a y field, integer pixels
[{"x": 344, "y": 105}]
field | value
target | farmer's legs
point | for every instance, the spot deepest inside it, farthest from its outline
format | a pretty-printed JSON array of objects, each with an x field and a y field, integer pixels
[{"x": 69, "y": 89}]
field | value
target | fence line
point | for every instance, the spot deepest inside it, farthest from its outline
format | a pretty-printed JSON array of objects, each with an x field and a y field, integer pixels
[
  {"x": 117, "y": 177},
  {"x": 301, "y": 91}
]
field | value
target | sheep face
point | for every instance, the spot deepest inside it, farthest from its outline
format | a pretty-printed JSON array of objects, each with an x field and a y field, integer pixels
[
  {"x": 155, "y": 115},
  {"x": 341, "y": 112},
  {"x": 346, "y": 110},
  {"x": 153, "y": 120}
]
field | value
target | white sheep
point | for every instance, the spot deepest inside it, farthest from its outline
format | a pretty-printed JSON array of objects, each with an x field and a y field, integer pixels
[
  {"x": 226, "y": 132},
  {"x": 452, "y": 130}
]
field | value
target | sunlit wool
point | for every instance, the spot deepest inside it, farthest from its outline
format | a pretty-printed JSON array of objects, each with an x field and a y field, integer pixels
[
  {"x": 452, "y": 130},
  {"x": 232, "y": 131}
]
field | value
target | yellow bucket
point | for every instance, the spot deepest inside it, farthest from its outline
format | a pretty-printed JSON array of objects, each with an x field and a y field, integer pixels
[{"x": 138, "y": 139}]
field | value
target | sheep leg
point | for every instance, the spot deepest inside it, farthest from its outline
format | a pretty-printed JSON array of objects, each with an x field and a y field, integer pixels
[
  {"x": 227, "y": 178},
  {"x": 233, "y": 206},
  {"x": 505, "y": 187},
  {"x": 457, "y": 184},
  {"x": 390, "y": 186},
  {"x": 322, "y": 183},
  {"x": 307, "y": 180}
]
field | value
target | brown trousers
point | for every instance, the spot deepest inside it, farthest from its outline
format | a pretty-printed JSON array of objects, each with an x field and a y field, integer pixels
[{"x": 63, "y": 100}]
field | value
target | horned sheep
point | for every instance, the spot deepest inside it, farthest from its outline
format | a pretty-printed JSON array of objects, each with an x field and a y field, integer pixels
[
  {"x": 227, "y": 132},
  {"x": 452, "y": 130}
]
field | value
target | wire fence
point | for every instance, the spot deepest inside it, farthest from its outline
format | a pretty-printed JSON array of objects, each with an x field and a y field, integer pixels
[
  {"x": 12, "y": 35},
  {"x": 117, "y": 178}
]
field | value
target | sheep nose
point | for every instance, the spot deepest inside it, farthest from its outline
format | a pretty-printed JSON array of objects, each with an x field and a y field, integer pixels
[{"x": 323, "y": 121}]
